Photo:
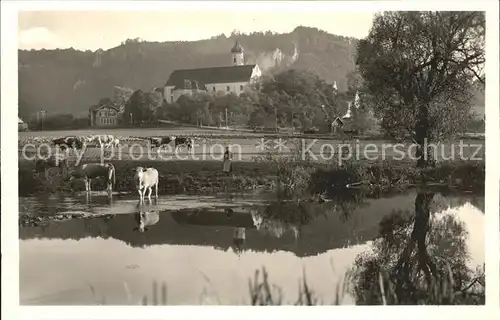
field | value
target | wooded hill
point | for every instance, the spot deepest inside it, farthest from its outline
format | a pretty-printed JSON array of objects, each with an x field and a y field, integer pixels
[{"x": 70, "y": 81}]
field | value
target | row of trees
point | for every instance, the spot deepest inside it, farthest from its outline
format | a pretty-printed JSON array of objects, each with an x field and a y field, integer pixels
[
  {"x": 292, "y": 99},
  {"x": 60, "y": 121}
]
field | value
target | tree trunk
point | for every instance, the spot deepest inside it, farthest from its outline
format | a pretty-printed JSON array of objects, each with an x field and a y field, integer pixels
[{"x": 422, "y": 132}]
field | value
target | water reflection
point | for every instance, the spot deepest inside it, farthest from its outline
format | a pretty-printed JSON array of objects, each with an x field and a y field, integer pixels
[
  {"x": 147, "y": 215},
  {"x": 90, "y": 198},
  {"x": 411, "y": 239},
  {"x": 305, "y": 229},
  {"x": 418, "y": 258}
]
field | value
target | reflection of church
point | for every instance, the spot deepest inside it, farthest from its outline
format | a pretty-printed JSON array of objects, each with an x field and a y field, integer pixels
[{"x": 215, "y": 228}]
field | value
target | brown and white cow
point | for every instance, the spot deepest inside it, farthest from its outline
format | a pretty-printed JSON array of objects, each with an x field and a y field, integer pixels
[
  {"x": 160, "y": 141},
  {"x": 183, "y": 141},
  {"x": 103, "y": 140},
  {"x": 70, "y": 142},
  {"x": 91, "y": 171}
]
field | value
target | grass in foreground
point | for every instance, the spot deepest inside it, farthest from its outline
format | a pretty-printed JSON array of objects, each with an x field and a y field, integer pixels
[{"x": 263, "y": 293}]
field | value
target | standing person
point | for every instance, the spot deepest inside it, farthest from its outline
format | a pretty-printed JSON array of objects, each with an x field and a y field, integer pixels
[{"x": 226, "y": 164}]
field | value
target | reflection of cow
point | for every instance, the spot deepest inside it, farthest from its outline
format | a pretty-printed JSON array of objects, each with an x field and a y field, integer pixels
[
  {"x": 91, "y": 171},
  {"x": 146, "y": 219},
  {"x": 146, "y": 179},
  {"x": 183, "y": 141},
  {"x": 54, "y": 161}
]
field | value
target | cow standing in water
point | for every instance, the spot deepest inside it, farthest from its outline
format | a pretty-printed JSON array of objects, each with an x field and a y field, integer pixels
[
  {"x": 54, "y": 161},
  {"x": 91, "y": 171},
  {"x": 146, "y": 179}
]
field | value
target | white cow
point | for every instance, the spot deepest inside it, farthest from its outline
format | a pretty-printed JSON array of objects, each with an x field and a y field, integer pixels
[
  {"x": 146, "y": 179},
  {"x": 103, "y": 140},
  {"x": 115, "y": 143}
]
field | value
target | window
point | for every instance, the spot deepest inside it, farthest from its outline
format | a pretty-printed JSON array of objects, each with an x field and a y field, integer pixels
[
  {"x": 214, "y": 88},
  {"x": 241, "y": 87},
  {"x": 234, "y": 59},
  {"x": 228, "y": 89}
]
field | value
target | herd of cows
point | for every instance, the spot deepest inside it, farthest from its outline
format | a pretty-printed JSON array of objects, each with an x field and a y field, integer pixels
[
  {"x": 145, "y": 178},
  {"x": 109, "y": 141}
]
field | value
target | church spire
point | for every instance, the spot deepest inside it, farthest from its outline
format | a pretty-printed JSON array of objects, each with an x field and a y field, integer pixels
[{"x": 237, "y": 54}]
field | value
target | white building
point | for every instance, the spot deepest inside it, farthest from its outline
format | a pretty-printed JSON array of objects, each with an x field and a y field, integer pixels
[{"x": 229, "y": 79}]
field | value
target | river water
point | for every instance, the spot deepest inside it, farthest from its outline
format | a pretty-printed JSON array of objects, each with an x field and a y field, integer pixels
[{"x": 205, "y": 249}]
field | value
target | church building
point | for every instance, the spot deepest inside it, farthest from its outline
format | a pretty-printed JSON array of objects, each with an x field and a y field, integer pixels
[{"x": 229, "y": 79}]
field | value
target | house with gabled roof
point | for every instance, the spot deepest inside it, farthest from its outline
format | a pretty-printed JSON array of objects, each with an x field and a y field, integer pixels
[
  {"x": 104, "y": 114},
  {"x": 226, "y": 79},
  {"x": 21, "y": 125}
]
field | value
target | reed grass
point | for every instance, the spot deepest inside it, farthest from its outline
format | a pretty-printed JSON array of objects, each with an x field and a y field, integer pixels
[{"x": 261, "y": 292}]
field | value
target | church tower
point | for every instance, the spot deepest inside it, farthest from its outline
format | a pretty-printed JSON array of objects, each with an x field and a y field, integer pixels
[{"x": 237, "y": 54}]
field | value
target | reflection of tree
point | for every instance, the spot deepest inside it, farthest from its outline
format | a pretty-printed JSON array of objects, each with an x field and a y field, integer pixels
[{"x": 423, "y": 260}]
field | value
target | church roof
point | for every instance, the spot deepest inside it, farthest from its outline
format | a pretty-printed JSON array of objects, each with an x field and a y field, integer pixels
[
  {"x": 108, "y": 105},
  {"x": 228, "y": 74},
  {"x": 237, "y": 48}
]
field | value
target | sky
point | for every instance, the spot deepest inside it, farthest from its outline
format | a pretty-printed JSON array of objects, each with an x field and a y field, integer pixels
[{"x": 91, "y": 30}]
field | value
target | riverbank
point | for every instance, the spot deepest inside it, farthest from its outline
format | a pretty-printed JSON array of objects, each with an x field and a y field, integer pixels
[
  {"x": 191, "y": 233},
  {"x": 206, "y": 177}
]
